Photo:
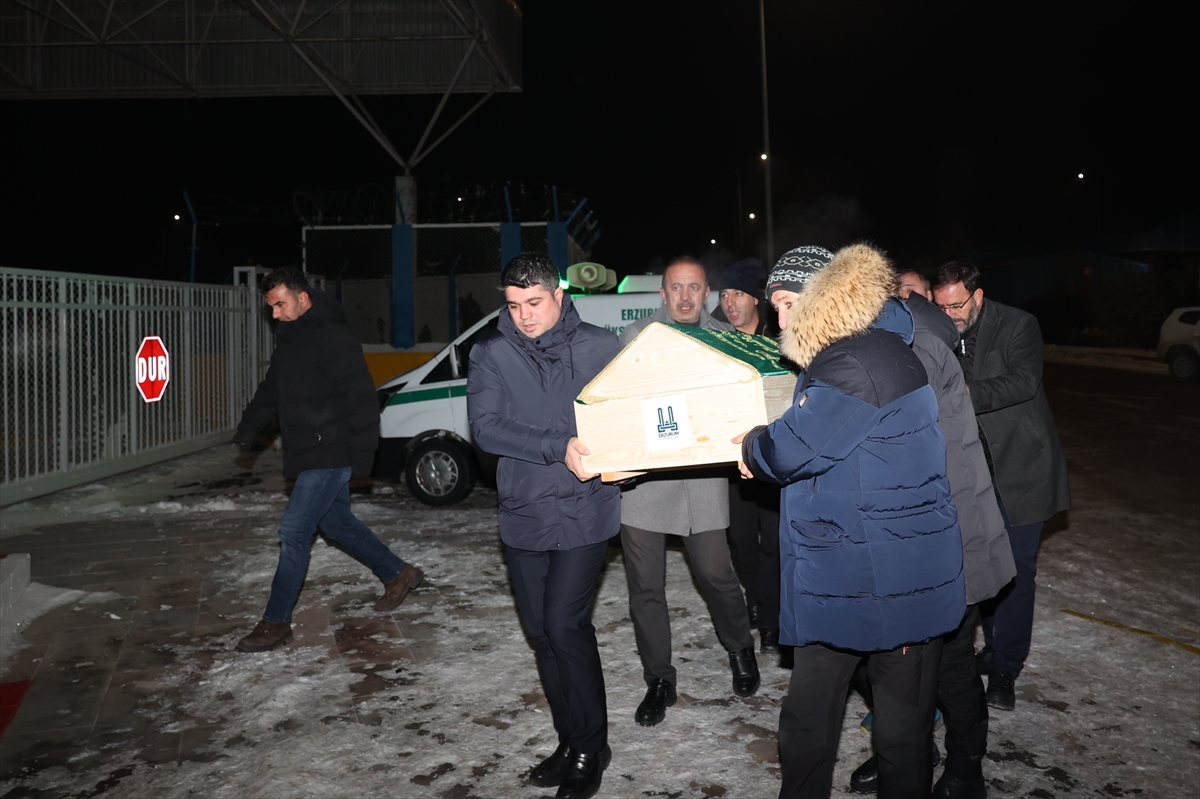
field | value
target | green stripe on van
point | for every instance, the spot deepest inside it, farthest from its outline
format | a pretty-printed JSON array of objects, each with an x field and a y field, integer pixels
[{"x": 446, "y": 392}]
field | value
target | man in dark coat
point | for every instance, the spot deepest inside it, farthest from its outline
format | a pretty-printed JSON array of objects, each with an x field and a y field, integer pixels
[
  {"x": 987, "y": 561},
  {"x": 870, "y": 547},
  {"x": 693, "y": 504},
  {"x": 753, "y": 505},
  {"x": 555, "y": 517},
  {"x": 1001, "y": 357},
  {"x": 319, "y": 387}
]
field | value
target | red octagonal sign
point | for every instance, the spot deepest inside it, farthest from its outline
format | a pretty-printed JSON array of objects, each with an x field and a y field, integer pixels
[{"x": 153, "y": 369}]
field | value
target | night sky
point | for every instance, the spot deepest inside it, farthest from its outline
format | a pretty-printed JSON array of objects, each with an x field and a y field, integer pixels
[{"x": 934, "y": 130}]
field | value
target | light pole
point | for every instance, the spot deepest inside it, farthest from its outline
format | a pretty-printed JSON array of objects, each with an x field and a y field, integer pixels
[{"x": 762, "y": 24}]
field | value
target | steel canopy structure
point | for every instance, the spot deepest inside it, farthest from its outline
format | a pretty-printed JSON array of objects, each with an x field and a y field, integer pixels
[{"x": 75, "y": 49}]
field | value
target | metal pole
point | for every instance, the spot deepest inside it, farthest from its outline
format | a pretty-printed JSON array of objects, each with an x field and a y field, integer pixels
[
  {"x": 195, "y": 223},
  {"x": 762, "y": 20}
]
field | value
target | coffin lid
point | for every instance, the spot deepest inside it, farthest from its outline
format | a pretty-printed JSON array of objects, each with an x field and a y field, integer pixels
[{"x": 675, "y": 358}]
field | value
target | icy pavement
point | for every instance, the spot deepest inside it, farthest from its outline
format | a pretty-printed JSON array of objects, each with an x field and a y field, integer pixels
[{"x": 137, "y": 690}]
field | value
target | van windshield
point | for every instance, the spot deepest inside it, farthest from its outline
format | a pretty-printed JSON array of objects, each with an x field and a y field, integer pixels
[{"x": 465, "y": 346}]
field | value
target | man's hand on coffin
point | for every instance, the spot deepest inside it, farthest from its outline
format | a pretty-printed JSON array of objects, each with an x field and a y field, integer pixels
[
  {"x": 746, "y": 473},
  {"x": 574, "y": 460}
]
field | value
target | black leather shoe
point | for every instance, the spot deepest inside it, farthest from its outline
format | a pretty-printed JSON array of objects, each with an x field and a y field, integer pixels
[
  {"x": 550, "y": 771},
  {"x": 1001, "y": 693},
  {"x": 983, "y": 660},
  {"x": 659, "y": 697},
  {"x": 584, "y": 772},
  {"x": 865, "y": 778},
  {"x": 769, "y": 640},
  {"x": 949, "y": 787},
  {"x": 745, "y": 672}
]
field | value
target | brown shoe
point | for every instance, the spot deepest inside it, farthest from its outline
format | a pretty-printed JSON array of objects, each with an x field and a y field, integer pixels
[
  {"x": 267, "y": 635},
  {"x": 395, "y": 589}
]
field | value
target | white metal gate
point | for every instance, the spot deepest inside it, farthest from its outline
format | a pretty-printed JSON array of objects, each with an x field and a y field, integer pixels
[{"x": 70, "y": 411}]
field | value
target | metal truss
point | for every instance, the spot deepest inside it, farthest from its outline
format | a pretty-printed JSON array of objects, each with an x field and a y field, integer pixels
[{"x": 67, "y": 49}]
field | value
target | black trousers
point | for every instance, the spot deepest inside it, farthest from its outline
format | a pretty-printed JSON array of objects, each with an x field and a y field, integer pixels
[
  {"x": 554, "y": 592},
  {"x": 646, "y": 571},
  {"x": 904, "y": 683},
  {"x": 960, "y": 695},
  {"x": 1007, "y": 618},
  {"x": 754, "y": 545}
]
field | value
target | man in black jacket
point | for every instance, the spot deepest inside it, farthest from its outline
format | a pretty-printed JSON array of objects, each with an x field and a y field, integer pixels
[
  {"x": 555, "y": 517},
  {"x": 1001, "y": 357},
  {"x": 319, "y": 387}
]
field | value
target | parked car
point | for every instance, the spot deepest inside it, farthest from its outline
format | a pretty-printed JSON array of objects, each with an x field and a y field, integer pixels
[
  {"x": 423, "y": 430},
  {"x": 1179, "y": 343}
]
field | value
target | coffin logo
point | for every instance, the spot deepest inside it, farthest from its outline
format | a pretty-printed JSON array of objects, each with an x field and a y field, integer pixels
[{"x": 666, "y": 424}]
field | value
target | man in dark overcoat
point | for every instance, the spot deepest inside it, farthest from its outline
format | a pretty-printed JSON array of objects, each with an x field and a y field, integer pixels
[
  {"x": 555, "y": 517},
  {"x": 1000, "y": 352}
]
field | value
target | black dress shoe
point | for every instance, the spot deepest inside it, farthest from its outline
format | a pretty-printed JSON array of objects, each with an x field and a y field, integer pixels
[
  {"x": 949, "y": 787},
  {"x": 584, "y": 772},
  {"x": 550, "y": 771},
  {"x": 745, "y": 672},
  {"x": 659, "y": 697},
  {"x": 769, "y": 640},
  {"x": 865, "y": 778},
  {"x": 1001, "y": 693}
]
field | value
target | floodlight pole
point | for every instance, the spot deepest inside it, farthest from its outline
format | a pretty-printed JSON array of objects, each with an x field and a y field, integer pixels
[{"x": 762, "y": 21}]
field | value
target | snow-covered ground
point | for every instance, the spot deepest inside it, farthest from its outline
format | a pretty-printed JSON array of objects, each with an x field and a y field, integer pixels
[{"x": 441, "y": 698}]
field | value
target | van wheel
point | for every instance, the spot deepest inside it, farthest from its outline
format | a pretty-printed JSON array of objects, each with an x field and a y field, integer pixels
[
  {"x": 1185, "y": 365},
  {"x": 439, "y": 473}
]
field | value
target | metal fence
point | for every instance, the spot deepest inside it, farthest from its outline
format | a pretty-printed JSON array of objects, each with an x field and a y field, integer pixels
[{"x": 70, "y": 411}]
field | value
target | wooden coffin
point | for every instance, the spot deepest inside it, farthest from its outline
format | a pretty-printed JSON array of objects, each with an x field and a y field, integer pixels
[{"x": 675, "y": 396}]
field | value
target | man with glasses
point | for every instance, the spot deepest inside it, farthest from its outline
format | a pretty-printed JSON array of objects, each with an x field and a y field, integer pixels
[{"x": 1000, "y": 352}]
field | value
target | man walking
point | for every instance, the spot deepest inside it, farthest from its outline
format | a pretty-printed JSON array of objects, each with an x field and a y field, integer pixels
[
  {"x": 555, "y": 517},
  {"x": 870, "y": 548},
  {"x": 1001, "y": 357},
  {"x": 319, "y": 387},
  {"x": 692, "y": 504}
]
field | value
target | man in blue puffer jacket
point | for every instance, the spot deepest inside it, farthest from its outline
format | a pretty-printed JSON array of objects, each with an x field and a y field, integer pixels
[
  {"x": 555, "y": 517},
  {"x": 869, "y": 540}
]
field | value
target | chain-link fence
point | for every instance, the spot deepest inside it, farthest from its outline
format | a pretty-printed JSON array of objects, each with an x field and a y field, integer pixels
[{"x": 70, "y": 410}]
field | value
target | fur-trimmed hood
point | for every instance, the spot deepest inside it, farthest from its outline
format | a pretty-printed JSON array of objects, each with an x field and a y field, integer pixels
[{"x": 844, "y": 299}]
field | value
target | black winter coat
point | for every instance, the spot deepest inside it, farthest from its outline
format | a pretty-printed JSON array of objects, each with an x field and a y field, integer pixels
[
  {"x": 520, "y": 404},
  {"x": 319, "y": 386}
]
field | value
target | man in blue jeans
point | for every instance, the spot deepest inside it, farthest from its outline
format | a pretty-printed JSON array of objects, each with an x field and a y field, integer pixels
[{"x": 319, "y": 387}]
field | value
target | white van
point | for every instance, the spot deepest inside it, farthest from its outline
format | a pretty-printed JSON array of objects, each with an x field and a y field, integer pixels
[{"x": 423, "y": 428}]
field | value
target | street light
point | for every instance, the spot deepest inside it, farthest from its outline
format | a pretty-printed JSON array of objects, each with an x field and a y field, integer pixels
[
  {"x": 1080, "y": 176},
  {"x": 751, "y": 216},
  {"x": 763, "y": 156},
  {"x": 176, "y": 217},
  {"x": 712, "y": 241}
]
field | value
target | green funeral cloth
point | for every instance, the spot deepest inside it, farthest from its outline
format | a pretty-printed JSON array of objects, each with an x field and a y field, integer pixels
[{"x": 759, "y": 352}]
